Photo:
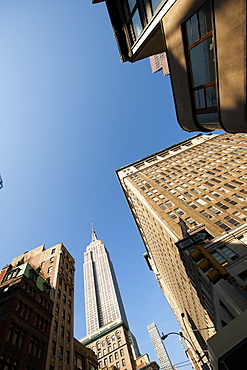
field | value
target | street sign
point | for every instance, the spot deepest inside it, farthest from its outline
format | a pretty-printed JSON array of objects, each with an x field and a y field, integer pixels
[{"x": 193, "y": 239}]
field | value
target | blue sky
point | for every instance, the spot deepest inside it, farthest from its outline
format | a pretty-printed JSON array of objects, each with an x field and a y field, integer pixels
[{"x": 70, "y": 115}]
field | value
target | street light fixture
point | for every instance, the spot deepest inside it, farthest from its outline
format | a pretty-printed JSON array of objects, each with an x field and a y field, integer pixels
[{"x": 204, "y": 365}]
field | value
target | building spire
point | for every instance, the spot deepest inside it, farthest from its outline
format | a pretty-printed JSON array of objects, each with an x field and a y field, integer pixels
[{"x": 94, "y": 236}]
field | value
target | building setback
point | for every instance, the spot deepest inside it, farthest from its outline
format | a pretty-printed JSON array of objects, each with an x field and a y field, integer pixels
[
  {"x": 56, "y": 266},
  {"x": 108, "y": 332},
  {"x": 194, "y": 188},
  {"x": 208, "y": 73}
]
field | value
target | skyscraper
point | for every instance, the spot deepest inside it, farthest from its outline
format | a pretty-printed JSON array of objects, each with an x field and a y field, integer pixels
[
  {"x": 194, "y": 191},
  {"x": 164, "y": 360},
  {"x": 102, "y": 297},
  {"x": 107, "y": 328}
]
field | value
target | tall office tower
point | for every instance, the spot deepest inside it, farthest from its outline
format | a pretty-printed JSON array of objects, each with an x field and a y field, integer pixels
[
  {"x": 106, "y": 323},
  {"x": 195, "y": 188},
  {"x": 56, "y": 265},
  {"x": 164, "y": 360},
  {"x": 102, "y": 297}
]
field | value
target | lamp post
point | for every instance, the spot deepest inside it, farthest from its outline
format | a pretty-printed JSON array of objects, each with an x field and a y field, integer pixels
[{"x": 204, "y": 366}]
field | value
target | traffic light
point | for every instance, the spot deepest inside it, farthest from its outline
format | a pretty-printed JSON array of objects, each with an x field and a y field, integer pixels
[{"x": 206, "y": 262}]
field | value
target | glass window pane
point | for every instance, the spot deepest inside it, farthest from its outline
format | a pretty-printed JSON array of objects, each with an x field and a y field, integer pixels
[
  {"x": 155, "y": 4},
  {"x": 137, "y": 23},
  {"x": 210, "y": 93},
  {"x": 199, "y": 99},
  {"x": 202, "y": 63},
  {"x": 205, "y": 23},
  {"x": 228, "y": 252},
  {"x": 132, "y": 3},
  {"x": 219, "y": 258},
  {"x": 192, "y": 29}
]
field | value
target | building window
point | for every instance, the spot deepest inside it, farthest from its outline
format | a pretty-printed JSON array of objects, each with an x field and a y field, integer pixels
[
  {"x": 243, "y": 238},
  {"x": 60, "y": 352},
  {"x": 215, "y": 210},
  {"x": 123, "y": 362},
  {"x": 53, "y": 250},
  {"x": 192, "y": 205},
  {"x": 201, "y": 58},
  {"x": 207, "y": 197},
  {"x": 206, "y": 214},
  {"x": 232, "y": 220},
  {"x": 121, "y": 352},
  {"x": 215, "y": 193},
  {"x": 80, "y": 362},
  {"x": 243, "y": 275},
  {"x": 223, "y": 190},
  {"x": 162, "y": 206},
  {"x": 240, "y": 215},
  {"x": 55, "y": 326},
  {"x": 191, "y": 221},
  {"x": 240, "y": 197},
  {"x": 231, "y": 201},
  {"x": 181, "y": 197},
  {"x": 53, "y": 348},
  {"x": 221, "y": 205},
  {"x": 62, "y": 331},
  {"x": 222, "y": 225},
  {"x": 111, "y": 358},
  {"x": 200, "y": 201},
  {"x": 219, "y": 258},
  {"x": 169, "y": 203},
  {"x": 67, "y": 357},
  {"x": 229, "y": 253},
  {"x": 172, "y": 215},
  {"x": 49, "y": 270},
  {"x": 179, "y": 211}
]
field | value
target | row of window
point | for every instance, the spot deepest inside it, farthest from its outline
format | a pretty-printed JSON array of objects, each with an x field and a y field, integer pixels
[
  {"x": 224, "y": 255},
  {"x": 62, "y": 331},
  {"x": 60, "y": 352},
  {"x": 107, "y": 361},
  {"x": 16, "y": 336},
  {"x": 115, "y": 354}
]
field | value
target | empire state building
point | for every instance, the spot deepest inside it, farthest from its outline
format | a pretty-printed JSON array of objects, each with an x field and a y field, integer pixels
[
  {"x": 107, "y": 328},
  {"x": 102, "y": 297}
]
